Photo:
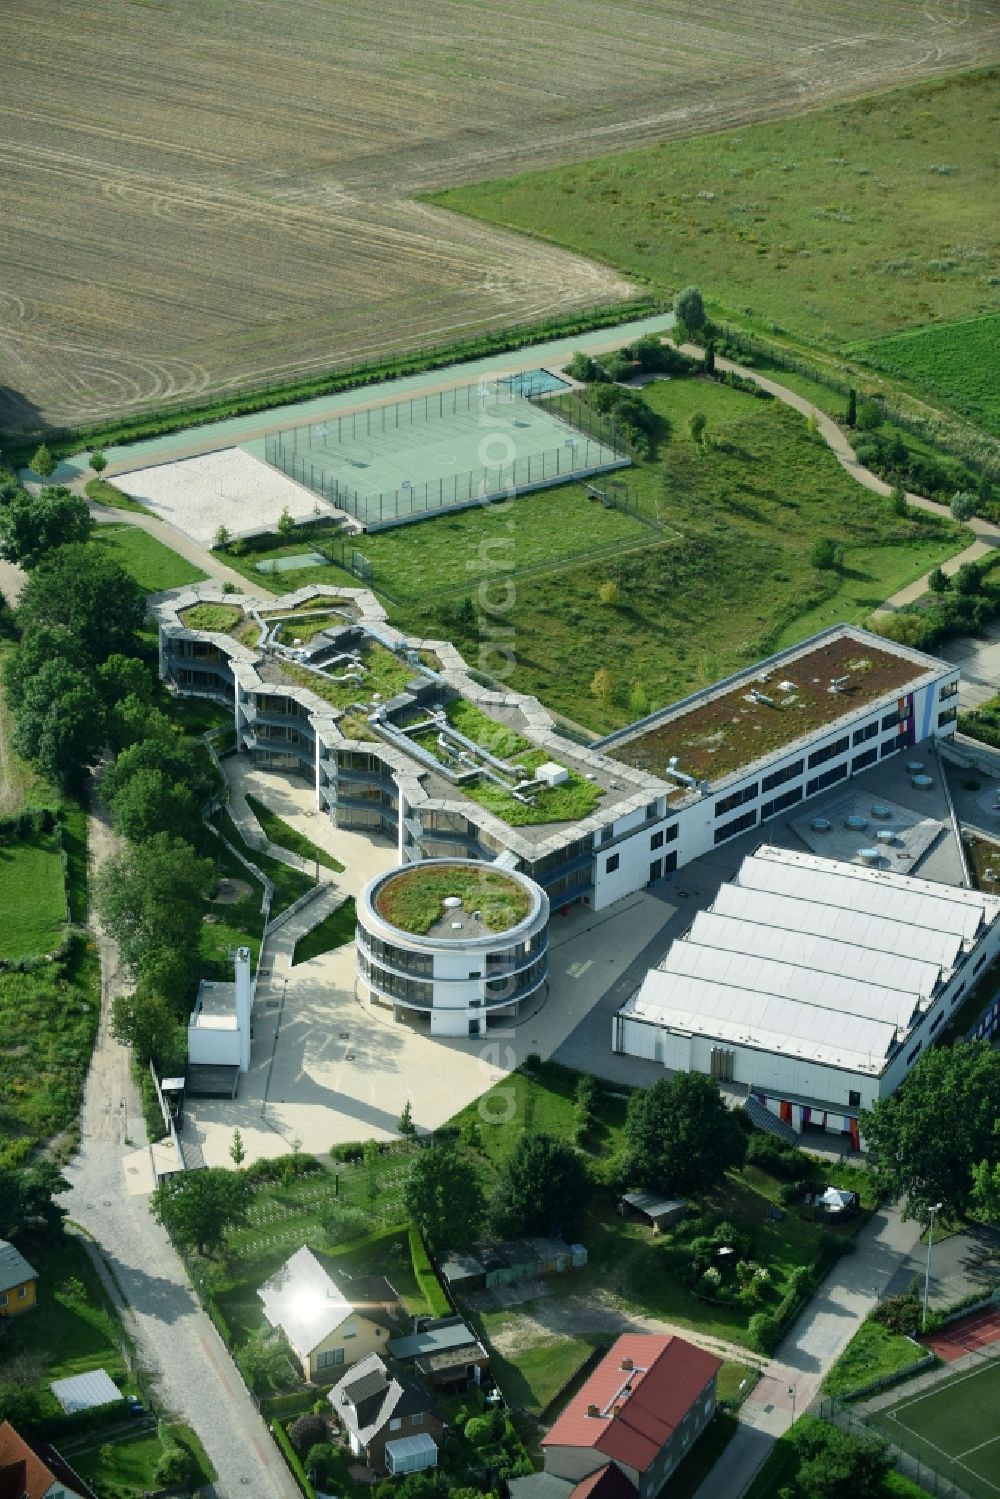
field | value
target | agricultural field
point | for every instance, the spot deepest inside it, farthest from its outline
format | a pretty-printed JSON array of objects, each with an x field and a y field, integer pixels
[
  {"x": 845, "y": 224},
  {"x": 955, "y": 362},
  {"x": 287, "y": 232}
]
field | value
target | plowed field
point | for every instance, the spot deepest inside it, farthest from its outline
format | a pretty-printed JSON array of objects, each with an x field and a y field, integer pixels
[{"x": 200, "y": 196}]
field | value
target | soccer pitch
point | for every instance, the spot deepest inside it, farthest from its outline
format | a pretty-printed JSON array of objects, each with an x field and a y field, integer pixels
[{"x": 953, "y": 1427}]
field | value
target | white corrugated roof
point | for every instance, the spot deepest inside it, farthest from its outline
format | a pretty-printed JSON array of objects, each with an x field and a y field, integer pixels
[
  {"x": 303, "y": 1300},
  {"x": 809, "y": 986},
  {"x": 893, "y": 970},
  {"x": 767, "y": 1021},
  {"x": 85, "y": 1392},
  {"x": 829, "y": 882},
  {"x": 814, "y": 958},
  {"x": 875, "y": 932}
]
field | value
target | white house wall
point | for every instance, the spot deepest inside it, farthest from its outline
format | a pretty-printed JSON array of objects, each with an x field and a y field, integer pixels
[{"x": 214, "y": 1048}]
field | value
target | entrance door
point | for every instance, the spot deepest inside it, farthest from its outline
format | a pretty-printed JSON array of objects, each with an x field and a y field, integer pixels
[{"x": 656, "y": 870}]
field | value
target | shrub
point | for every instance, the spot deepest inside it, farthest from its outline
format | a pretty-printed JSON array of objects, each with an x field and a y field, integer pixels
[
  {"x": 963, "y": 505},
  {"x": 765, "y": 1332},
  {"x": 307, "y": 1432},
  {"x": 341, "y": 1223},
  {"x": 479, "y": 1431},
  {"x": 173, "y": 1471},
  {"x": 900, "y": 1314}
]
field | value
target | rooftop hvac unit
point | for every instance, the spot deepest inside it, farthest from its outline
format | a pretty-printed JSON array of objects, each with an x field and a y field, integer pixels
[{"x": 551, "y": 774}]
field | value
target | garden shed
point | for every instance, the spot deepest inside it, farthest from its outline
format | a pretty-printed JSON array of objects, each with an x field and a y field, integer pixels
[
  {"x": 656, "y": 1208},
  {"x": 411, "y": 1454}
]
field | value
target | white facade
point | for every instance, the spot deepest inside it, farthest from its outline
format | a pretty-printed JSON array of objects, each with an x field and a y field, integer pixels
[
  {"x": 219, "y": 1028},
  {"x": 813, "y": 984},
  {"x": 458, "y": 974}
]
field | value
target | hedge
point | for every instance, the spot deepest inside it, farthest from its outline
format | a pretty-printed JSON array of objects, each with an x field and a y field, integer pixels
[
  {"x": 426, "y": 1276},
  {"x": 292, "y": 1459},
  {"x": 68, "y": 1423}
]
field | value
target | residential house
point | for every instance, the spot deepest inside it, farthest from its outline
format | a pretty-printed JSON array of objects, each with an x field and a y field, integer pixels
[
  {"x": 382, "y": 1411},
  {"x": 445, "y": 1353},
  {"x": 36, "y": 1471},
  {"x": 17, "y": 1281},
  {"x": 640, "y": 1411},
  {"x": 329, "y": 1322}
]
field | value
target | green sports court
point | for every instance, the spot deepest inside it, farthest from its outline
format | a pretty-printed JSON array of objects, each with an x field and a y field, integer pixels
[
  {"x": 399, "y": 461},
  {"x": 952, "y": 1426}
]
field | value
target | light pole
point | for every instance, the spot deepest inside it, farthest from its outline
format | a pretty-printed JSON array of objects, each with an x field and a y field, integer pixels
[
  {"x": 927, "y": 1273},
  {"x": 791, "y": 1391}
]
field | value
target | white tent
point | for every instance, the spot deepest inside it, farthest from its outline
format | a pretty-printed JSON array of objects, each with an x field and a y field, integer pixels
[{"x": 835, "y": 1200}]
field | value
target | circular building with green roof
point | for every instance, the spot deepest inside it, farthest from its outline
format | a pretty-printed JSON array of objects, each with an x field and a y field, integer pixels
[{"x": 452, "y": 943}]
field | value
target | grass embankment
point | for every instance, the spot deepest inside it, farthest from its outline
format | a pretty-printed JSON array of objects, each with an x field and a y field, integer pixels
[
  {"x": 872, "y": 1352},
  {"x": 845, "y": 223},
  {"x": 285, "y": 836},
  {"x": 103, "y": 493},
  {"x": 334, "y": 930},
  {"x": 154, "y": 566}
]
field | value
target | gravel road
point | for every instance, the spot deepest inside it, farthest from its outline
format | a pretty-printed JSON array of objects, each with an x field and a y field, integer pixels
[{"x": 186, "y": 1359}]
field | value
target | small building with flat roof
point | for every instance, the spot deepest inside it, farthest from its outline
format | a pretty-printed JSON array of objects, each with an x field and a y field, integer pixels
[{"x": 18, "y": 1281}]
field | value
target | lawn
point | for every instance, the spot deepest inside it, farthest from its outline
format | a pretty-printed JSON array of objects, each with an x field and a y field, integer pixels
[
  {"x": 531, "y": 1379},
  {"x": 736, "y": 583},
  {"x": 282, "y": 833},
  {"x": 288, "y": 883},
  {"x": 872, "y": 1352},
  {"x": 48, "y": 1020},
  {"x": 952, "y": 1426},
  {"x": 104, "y": 493},
  {"x": 32, "y": 894},
  {"x": 954, "y": 361},
  {"x": 122, "y": 1465},
  {"x": 154, "y": 566},
  {"x": 333, "y": 931},
  {"x": 71, "y": 1329},
  {"x": 843, "y": 224}
]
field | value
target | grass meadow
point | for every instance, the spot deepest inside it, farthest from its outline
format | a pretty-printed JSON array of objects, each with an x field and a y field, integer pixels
[
  {"x": 154, "y": 566},
  {"x": 844, "y": 224},
  {"x": 32, "y": 895}
]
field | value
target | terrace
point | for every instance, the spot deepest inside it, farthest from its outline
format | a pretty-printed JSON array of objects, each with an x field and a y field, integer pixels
[
  {"x": 761, "y": 713},
  {"x": 494, "y": 765}
]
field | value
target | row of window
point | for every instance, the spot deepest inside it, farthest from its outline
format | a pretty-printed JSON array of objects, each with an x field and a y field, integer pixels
[
  {"x": 828, "y": 751},
  {"x": 785, "y": 773},
  {"x": 948, "y": 716},
  {"x": 665, "y": 835},
  {"x": 738, "y": 825},
  {"x": 868, "y": 732},
  {"x": 412, "y": 991},
  {"x": 736, "y": 799},
  {"x": 779, "y": 803}
]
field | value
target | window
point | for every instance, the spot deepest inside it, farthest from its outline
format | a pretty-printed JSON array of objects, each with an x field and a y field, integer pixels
[
  {"x": 418, "y": 1419},
  {"x": 3, "y": 1298},
  {"x": 395, "y": 1423},
  {"x": 948, "y": 716},
  {"x": 22, "y": 1292},
  {"x": 979, "y": 963},
  {"x": 655, "y": 870},
  {"x": 867, "y": 758},
  {"x": 868, "y": 732},
  {"x": 611, "y": 864},
  {"x": 656, "y": 841},
  {"x": 890, "y": 747},
  {"x": 779, "y": 777},
  {"x": 948, "y": 690},
  {"x": 652, "y": 809},
  {"x": 779, "y": 803},
  {"x": 892, "y": 720},
  {"x": 826, "y": 779},
  {"x": 736, "y": 799},
  {"x": 330, "y": 1358},
  {"x": 853, "y": 1099},
  {"x": 670, "y": 863},
  {"x": 936, "y": 1023},
  {"x": 349, "y": 1330},
  {"x": 958, "y": 994},
  {"x": 827, "y": 751},
  {"x": 738, "y": 825},
  {"x": 911, "y": 1056}
]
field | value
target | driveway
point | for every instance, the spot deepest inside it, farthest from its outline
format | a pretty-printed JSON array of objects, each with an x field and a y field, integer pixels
[{"x": 185, "y": 1358}]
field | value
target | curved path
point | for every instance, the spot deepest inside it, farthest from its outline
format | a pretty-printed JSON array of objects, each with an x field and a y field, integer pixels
[{"x": 987, "y": 534}]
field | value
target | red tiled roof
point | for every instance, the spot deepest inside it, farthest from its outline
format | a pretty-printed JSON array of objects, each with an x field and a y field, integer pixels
[
  {"x": 21, "y": 1464},
  {"x": 608, "y": 1482},
  {"x": 639, "y": 1408}
]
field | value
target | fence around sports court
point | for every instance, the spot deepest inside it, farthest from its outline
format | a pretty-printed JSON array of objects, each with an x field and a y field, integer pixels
[
  {"x": 910, "y": 1464},
  {"x": 478, "y": 419}
]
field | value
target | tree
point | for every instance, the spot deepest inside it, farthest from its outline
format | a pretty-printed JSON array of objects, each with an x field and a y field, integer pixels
[
  {"x": 602, "y": 685},
  {"x": 148, "y": 802},
  {"x": 221, "y": 536},
  {"x": 197, "y": 1208},
  {"x": 237, "y": 1150},
  {"x": 710, "y": 358},
  {"x": 443, "y": 1198},
  {"x": 27, "y": 1198},
  {"x": 542, "y": 1188},
  {"x": 406, "y": 1126},
  {"x": 608, "y": 591},
  {"x": 151, "y": 896},
  {"x": 638, "y": 700},
  {"x": 98, "y": 462},
  {"x": 148, "y": 1023},
  {"x": 927, "y": 1140},
  {"x": 852, "y": 407},
  {"x": 60, "y": 724},
  {"x": 938, "y": 581},
  {"x": 264, "y": 1361},
  {"x": 83, "y": 589},
  {"x": 986, "y": 1189},
  {"x": 286, "y": 525},
  {"x": 679, "y": 1135},
  {"x": 897, "y": 500},
  {"x": 121, "y": 677},
  {"x": 42, "y": 462},
  {"x": 181, "y": 762},
  {"x": 969, "y": 578},
  {"x": 697, "y": 423},
  {"x": 836, "y": 1465},
  {"x": 825, "y": 553},
  {"x": 35, "y": 649},
  {"x": 689, "y": 308},
  {"x": 869, "y": 417},
  {"x": 963, "y": 505},
  {"x": 32, "y": 526}
]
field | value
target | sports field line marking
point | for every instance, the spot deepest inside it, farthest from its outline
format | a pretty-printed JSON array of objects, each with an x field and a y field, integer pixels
[
  {"x": 947, "y": 1456},
  {"x": 961, "y": 1456},
  {"x": 935, "y": 1390}
]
